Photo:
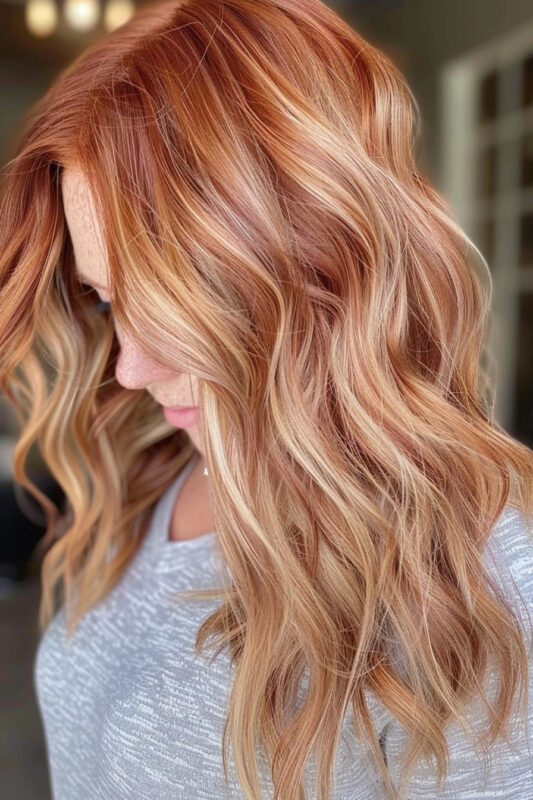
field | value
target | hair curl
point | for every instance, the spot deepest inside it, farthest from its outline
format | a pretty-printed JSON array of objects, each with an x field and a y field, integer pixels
[{"x": 254, "y": 172}]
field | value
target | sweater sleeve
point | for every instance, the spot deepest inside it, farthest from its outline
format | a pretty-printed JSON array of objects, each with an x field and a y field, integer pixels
[{"x": 507, "y": 772}]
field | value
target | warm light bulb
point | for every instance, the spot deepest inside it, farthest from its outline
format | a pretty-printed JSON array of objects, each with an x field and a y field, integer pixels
[
  {"x": 117, "y": 12},
  {"x": 82, "y": 15},
  {"x": 41, "y": 17}
]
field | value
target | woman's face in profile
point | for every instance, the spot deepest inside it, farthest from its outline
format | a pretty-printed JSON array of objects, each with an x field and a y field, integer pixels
[{"x": 135, "y": 369}]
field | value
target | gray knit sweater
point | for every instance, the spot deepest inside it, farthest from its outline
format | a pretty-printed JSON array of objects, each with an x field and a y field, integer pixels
[{"x": 130, "y": 712}]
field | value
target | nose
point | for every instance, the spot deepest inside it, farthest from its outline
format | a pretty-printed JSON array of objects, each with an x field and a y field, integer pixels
[{"x": 135, "y": 369}]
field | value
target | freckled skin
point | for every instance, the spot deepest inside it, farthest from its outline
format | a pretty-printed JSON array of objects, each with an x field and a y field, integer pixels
[{"x": 135, "y": 369}]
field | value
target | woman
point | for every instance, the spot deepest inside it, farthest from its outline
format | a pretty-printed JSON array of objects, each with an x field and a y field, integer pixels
[{"x": 217, "y": 206}]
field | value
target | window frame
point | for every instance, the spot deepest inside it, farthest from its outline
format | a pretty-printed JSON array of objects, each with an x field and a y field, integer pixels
[{"x": 463, "y": 138}]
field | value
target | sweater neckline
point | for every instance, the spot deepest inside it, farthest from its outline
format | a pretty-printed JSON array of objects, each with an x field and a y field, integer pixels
[{"x": 163, "y": 516}]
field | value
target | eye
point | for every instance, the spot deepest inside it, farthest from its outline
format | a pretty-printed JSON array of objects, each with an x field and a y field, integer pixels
[{"x": 102, "y": 306}]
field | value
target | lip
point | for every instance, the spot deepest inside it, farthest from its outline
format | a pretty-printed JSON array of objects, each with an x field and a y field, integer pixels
[{"x": 181, "y": 416}]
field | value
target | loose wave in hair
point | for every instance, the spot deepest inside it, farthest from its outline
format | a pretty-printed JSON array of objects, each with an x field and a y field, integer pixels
[{"x": 253, "y": 168}]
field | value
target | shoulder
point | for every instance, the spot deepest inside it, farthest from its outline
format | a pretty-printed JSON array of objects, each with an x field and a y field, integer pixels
[
  {"x": 507, "y": 775},
  {"x": 508, "y": 557},
  {"x": 512, "y": 536}
]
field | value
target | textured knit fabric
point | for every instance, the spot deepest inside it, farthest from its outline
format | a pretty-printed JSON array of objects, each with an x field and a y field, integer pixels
[{"x": 130, "y": 712}]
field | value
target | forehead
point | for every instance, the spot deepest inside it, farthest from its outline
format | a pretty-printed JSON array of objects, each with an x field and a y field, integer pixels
[{"x": 83, "y": 226}]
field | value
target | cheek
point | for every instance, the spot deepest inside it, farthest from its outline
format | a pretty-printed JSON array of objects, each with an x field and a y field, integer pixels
[{"x": 134, "y": 369}]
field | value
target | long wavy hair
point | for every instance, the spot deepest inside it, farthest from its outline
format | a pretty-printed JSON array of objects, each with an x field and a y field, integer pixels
[{"x": 267, "y": 229}]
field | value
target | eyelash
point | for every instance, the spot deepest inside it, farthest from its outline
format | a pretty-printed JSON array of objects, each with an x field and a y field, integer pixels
[{"x": 103, "y": 305}]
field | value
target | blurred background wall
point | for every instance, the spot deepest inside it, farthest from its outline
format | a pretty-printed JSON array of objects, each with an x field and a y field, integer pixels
[{"x": 470, "y": 66}]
